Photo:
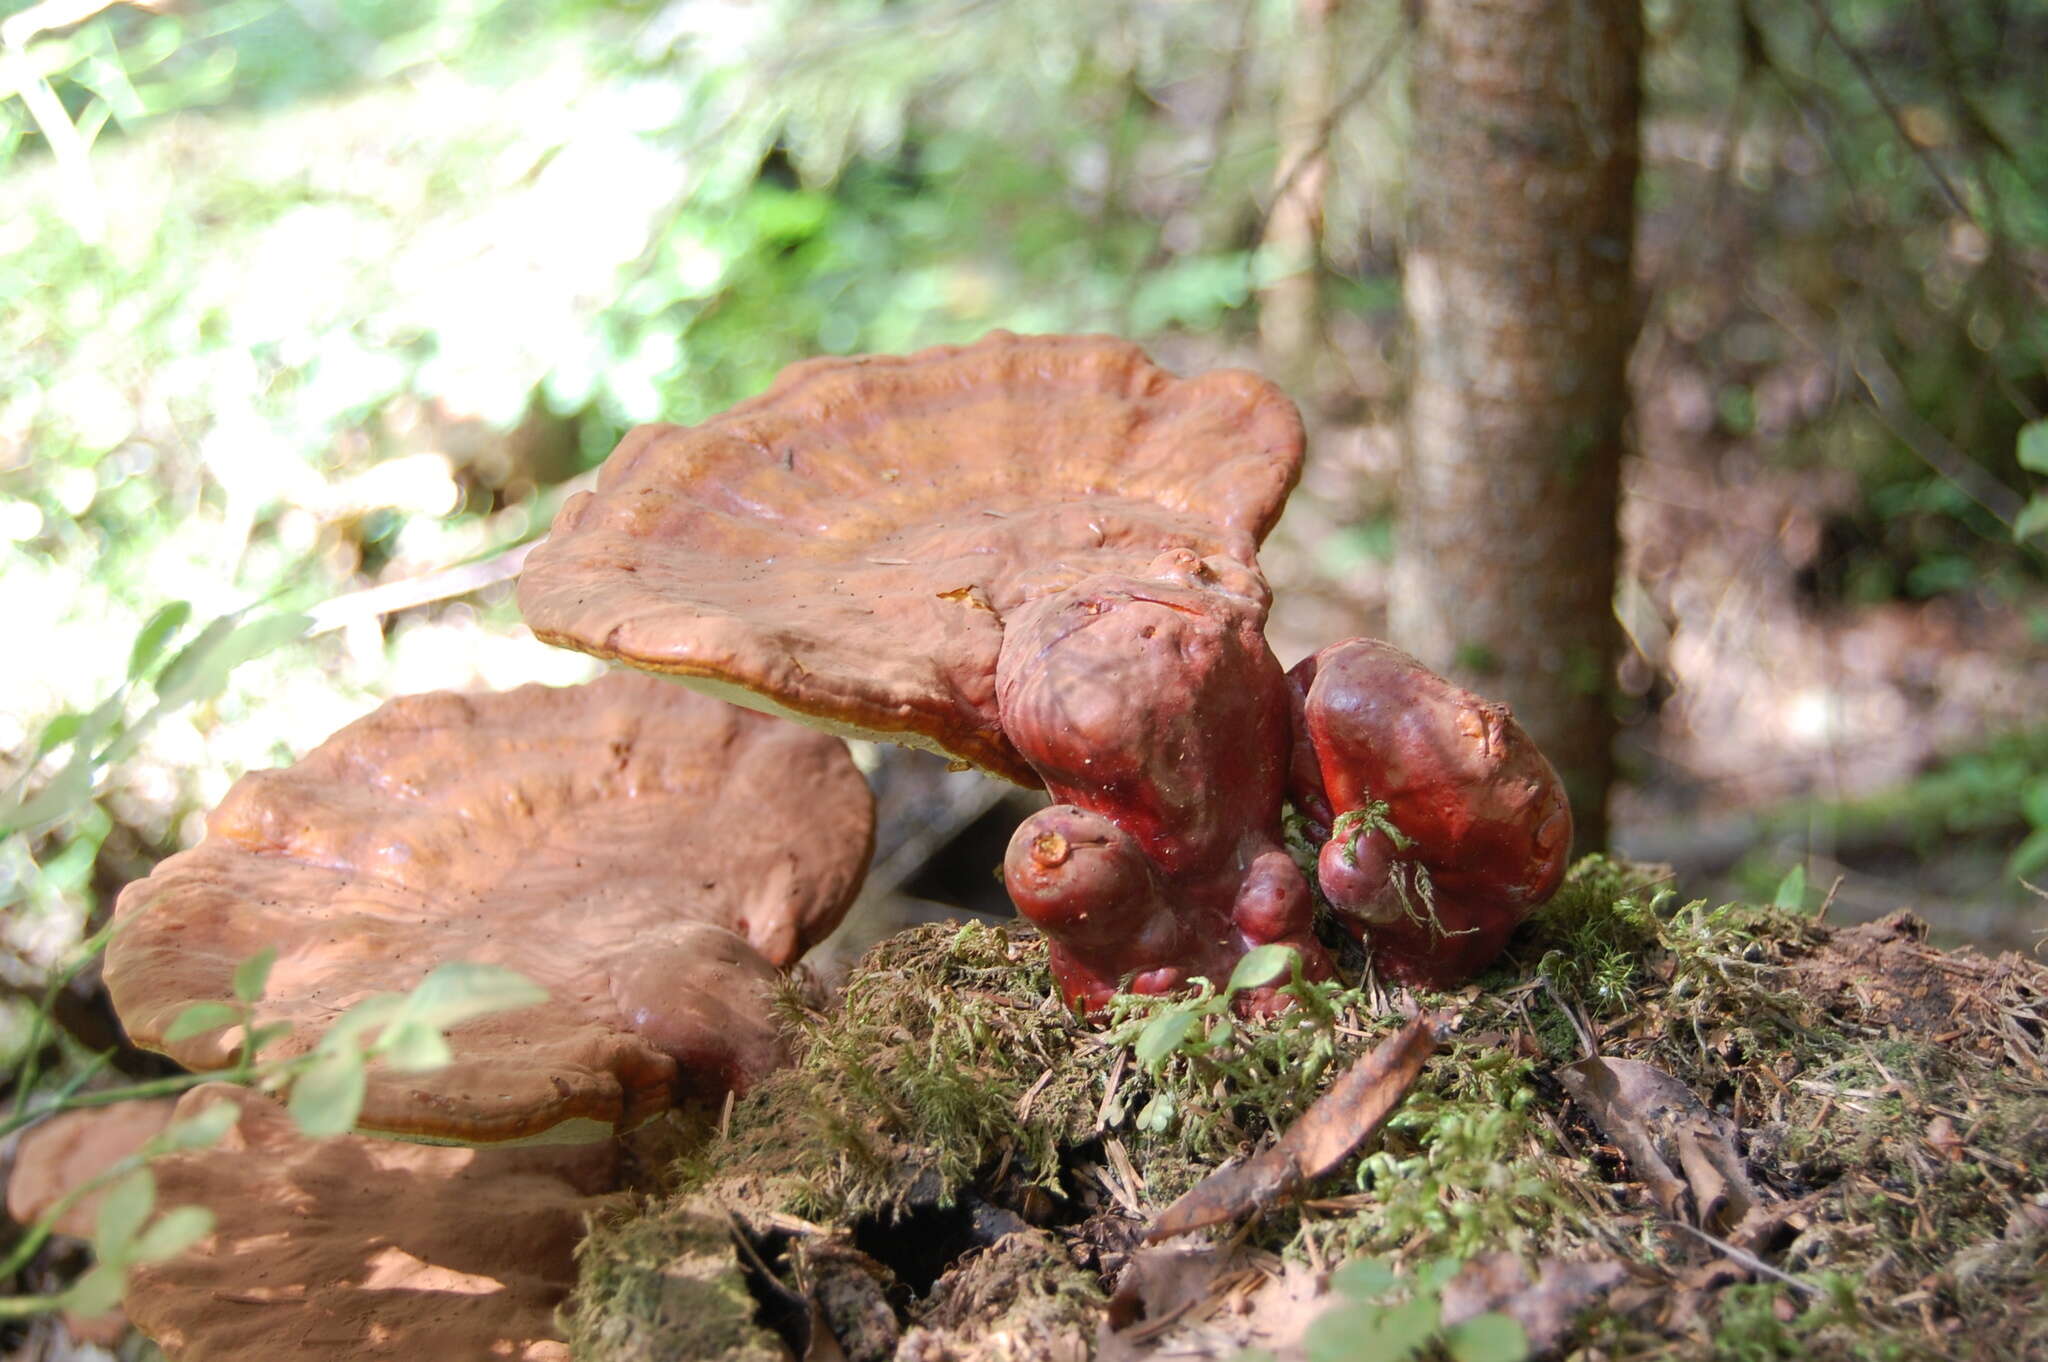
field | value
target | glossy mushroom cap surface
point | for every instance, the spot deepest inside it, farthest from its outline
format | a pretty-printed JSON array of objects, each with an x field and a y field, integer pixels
[
  {"x": 1158, "y": 716},
  {"x": 647, "y": 855},
  {"x": 1483, "y": 813},
  {"x": 848, "y": 546},
  {"x": 356, "y": 1247}
]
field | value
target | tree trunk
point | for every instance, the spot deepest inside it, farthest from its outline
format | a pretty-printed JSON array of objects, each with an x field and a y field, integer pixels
[
  {"x": 1290, "y": 329},
  {"x": 1519, "y": 297}
]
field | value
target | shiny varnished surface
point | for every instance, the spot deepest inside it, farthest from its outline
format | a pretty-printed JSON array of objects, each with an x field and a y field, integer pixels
[
  {"x": 1483, "y": 810},
  {"x": 1157, "y": 715},
  {"x": 848, "y": 545}
]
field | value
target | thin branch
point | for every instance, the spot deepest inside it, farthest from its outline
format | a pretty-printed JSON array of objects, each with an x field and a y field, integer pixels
[
  {"x": 1891, "y": 110},
  {"x": 1319, "y": 145}
]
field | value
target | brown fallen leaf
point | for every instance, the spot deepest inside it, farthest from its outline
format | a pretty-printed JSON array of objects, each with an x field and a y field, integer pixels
[
  {"x": 1196, "y": 1300},
  {"x": 1546, "y": 1304},
  {"x": 1338, "y": 1122},
  {"x": 1943, "y": 1139},
  {"x": 1656, "y": 1121}
]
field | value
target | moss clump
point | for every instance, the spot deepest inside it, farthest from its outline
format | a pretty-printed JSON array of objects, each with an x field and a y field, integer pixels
[
  {"x": 663, "y": 1285},
  {"x": 917, "y": 1081},
  {"x": 1892, "y": 1098}
]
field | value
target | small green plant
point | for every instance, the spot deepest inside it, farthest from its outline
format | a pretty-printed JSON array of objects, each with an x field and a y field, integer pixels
[
  {"x": 2032, "y": 520},
  {"x": 1594, "y": 935},
  {"x": 1195, "y": 1044},
  {"x": 1383, "y": 1316},
  {"x": 1791, "y": 891},
  {"x": 105, "y": 736},
  {"x": 124, "y": 1234}
]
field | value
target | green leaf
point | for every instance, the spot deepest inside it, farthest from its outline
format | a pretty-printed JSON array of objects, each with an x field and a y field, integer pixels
[
  {"x": 126, "y": 1205},
  {"x": 1363, "y": 1279},
  {"x": 200, "y": 670},
  {"x": 185, "y": 664},
  {"x": 2029, "y": 856},
  {"x": 462, "y": 989},
  {"x": 1261, "y": 965},
  {"x": 2033, "y": 446},
  {"x": 1157, "y": 1115},
  {"x": 149, "y": 644},
  {"x": 1492, "y": 1337},
  {"x": 1162, "y": 1036},
  {"x": 345, "y": 1035},
  {"x": 2034, "y": 801},
  {"x": 2032, "y": 519},
  {"x": 252, "y": 974},
  {"x": 327, "y": 1097},
  {"x": 98, "y": 1291},
  {"x": 174, "y": 1231},
  {"x": 412, "y": 1047},
  {"x": 201, "y": 1131},
  {"x": 200, "y": 1018},
  {"x": 263, "y": 1037},
  {"x": 1791, "y": 891},
  {"x": 1434, "y": 1275},
  {"x": 1405, "y": 1328},
  {"x": 57, "y": 732},
  {"x": 71, "y": 788},
  {"x": 68, "y": 791},
  {"x": 1343, "y": 1333}
]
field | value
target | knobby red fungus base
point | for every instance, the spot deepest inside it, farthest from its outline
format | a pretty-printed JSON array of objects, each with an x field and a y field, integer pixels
[
  {"x": 1445, "y": 825},
  {"x": 1158, "y": 717}
]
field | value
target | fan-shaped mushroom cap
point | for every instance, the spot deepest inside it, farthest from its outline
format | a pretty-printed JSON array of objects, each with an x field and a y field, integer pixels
[
  {"x": 847, "y": 545},
  {"x": 71, "y": 1149},
  {"x": 644, "y": 854},
  {"x": 356, "y": 1247}
]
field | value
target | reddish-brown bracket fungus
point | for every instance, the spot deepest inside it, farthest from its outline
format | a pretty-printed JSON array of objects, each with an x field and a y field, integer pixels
[
  {"x": 71, "y": 1149},
  {"x": 1034, "y": 554},
  {"x": 1445, "y": 824},
  {"x": 646, "y": 855},
  {"x": 355, "y": 1247}
]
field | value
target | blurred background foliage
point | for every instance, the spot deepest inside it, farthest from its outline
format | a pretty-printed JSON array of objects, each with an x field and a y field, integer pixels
[{"x": 305, "y": 299}]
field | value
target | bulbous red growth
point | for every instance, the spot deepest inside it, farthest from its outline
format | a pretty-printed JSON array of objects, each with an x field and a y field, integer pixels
[
  {"x": 1479, "y": 811},
  {"x": 1157, "y": 716}
]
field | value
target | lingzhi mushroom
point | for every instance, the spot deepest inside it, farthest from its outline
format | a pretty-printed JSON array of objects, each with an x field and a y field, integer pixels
[
  {"x": 613, "y": 842},
  {"x": 1037, "y": 555}
]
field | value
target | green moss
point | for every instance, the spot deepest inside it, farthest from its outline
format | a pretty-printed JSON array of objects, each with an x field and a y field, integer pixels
[
  {"x": 951, "y": 1068},
  {"x": 665, "y": 1285}
]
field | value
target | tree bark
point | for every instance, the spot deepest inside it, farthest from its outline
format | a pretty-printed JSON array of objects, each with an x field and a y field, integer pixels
[{"x": 1519, "y": 298}]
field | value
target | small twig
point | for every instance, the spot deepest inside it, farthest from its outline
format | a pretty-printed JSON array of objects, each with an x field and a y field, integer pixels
[
  {"x": 1745, "y": 1258},
  {"x": 1891, "y": 110},
  {"x": 391, "y": 597},
  {"x": 1829, "y": 901},
  {"x": 1319, "y": 145}
]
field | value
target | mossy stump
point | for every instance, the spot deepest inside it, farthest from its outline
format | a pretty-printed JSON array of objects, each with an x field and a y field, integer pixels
[{"x": 957, "y": 1167}]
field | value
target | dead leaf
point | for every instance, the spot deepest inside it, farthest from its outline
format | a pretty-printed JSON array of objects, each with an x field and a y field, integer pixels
[
  {"x": 1206, "y": 1300},
  {"x": 1657, "y": 1122},
  {"x": 1546, "y": 1304},
  {"x": 1942, "y": 1138},
  {"x": 1339, "y": 1121}
]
